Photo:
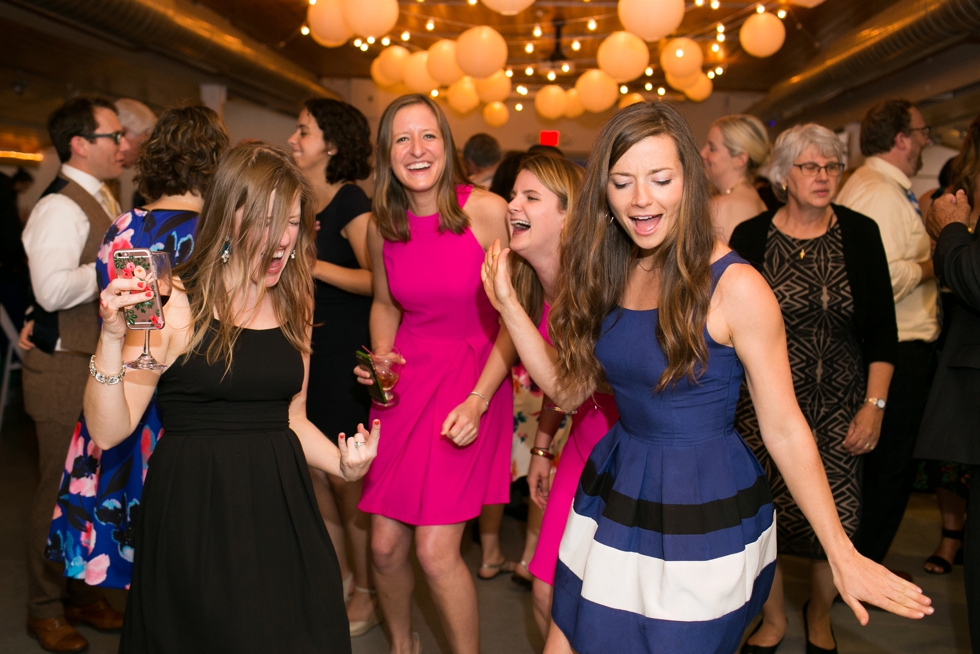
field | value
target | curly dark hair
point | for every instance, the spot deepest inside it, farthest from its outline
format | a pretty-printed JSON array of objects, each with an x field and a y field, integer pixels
[
  {"x": 181, "y": 153},
  {"x": 74, "y": 118},
  {"x": 882, "y": 124},
  {"x": 347, "y": 128}
]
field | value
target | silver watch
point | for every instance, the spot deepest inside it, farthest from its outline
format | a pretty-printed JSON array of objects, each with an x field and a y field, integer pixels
[{"x": 877, "y": 401}]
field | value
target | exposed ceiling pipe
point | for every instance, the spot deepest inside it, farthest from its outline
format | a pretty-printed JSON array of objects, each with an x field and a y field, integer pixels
[
  {"x": 180, "y": 30},
  {"x": 906, "y": 32}
]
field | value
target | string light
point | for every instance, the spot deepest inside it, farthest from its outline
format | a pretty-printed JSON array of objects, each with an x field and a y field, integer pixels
[
  {"x": 304, "y": 30},
  {"x": 720, "y": 37},
  {"x": 711, "y": 74},
  {"x": 430, "y": 25},
  {"x": 509, "y": 73},
  {"x": 521, "y": 89},
  {"x": 529, "y": 71},
  {"x": 760, "y": 9},
  {"x": 624, "y": 89},
  {"x": 565, "y": 68},
  {"x": 576, "y": 46},
  {"x": 698, "y": 3},
  {"x": 719, "y": 70},
  {"x": 385, "y": 41},
  {"x": 472, "y": 3},
  {"x": 661, "y": 91},
  {"x": 715, "y": 47},
  {"x": 592, "y": 24},
  {"x": 720, "y": 28},
  {"x": 364, "y": 47},
  {"x": 781, "y": 13},
  {"x": 648, "y": 86},
  {"x": 649, "y": 71},
  {"x": 434, "y": 93},
  {"x": 312, "y": 2},
  {"x": 529, "y": 48},
  {"x": 552, "y": 76},
  {"x": 357, "y": 43},
  {"x": 715, "y": 4},
  {"x": 537, "y": 31},
  {"x": 519, "y": 107},
  {"x": 370, "y": 40},
  {"x": 405, "y": 35}
]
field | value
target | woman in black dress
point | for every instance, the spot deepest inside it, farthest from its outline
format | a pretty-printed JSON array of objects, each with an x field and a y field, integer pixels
[
  {"x": 827, "y": 267},
  {"x": 331, "y": 146},
  {"x": 231, "y": 552}
]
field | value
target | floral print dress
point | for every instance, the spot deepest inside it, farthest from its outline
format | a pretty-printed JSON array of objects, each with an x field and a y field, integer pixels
[{"x": 92, "y": 529}]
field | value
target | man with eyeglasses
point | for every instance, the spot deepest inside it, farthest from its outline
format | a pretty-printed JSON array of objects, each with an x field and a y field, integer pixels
[
  {"x": 893, "y": 135},
  {"x": 62, "y": 239}
]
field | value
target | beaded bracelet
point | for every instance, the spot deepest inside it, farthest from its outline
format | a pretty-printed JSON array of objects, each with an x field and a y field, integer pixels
[{"x": 105, "y": 379}]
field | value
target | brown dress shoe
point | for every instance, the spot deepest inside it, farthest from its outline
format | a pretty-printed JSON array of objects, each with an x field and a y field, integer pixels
[
  {"x": 97, "y": 614},
  {"x": 56, "y": 635}
]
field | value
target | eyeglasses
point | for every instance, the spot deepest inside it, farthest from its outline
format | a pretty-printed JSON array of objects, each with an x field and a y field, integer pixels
[
  {"x": 924, "y": 130},
  {"x": 115, "y": 136},
  {"x": 811, "y": 169}
]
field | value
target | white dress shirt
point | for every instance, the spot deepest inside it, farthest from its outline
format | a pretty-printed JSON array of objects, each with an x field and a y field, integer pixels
[
  {"x": 54, "y": 238},
  {"x": 879, "y": 190}
]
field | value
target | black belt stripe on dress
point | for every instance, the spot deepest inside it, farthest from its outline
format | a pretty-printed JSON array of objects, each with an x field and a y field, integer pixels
[{"x": 675, "y": 519}]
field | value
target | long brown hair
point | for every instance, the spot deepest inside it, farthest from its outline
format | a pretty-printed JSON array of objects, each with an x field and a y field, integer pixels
[
  {"x": 248, "y": 176},
  {"x": 563, "y": 178},
  {"x": 390, "y": 204},
  {"x": 598, "y": 255},
  {"x": 966, "y": 165}
]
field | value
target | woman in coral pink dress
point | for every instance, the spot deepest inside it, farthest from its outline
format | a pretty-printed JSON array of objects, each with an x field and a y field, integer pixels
[{"x": 451, "y": 426}]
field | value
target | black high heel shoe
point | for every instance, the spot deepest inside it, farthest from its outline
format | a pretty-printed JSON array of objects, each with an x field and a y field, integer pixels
[
  {"x": 945, "y": 566},
  {"x": 810, "y": 647},
  {"x": 759, "y": 649}
]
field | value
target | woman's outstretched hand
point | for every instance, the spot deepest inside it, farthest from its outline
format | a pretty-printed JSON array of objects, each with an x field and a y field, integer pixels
[
  {"x": 495, "y": 274},
  {"x": 862, "y": 580},
  {"x": 358, "y": 451}
]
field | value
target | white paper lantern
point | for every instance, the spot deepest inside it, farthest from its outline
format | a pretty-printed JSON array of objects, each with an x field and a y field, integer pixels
[
  {"x": 494, "y": 88},
  {"x": 597, "y": 91},
  {"x": 462, "y": 95},
  {"x": 632, "y": 98},
  {"x": 417, "y": 76},
  {"x": 481, "y": 51},
  {"x": 681, "y": 57},
  {"x": 496, "y": 114},
  {"x": 762, "y": 35},
  {"x": 651, "y": 20},
  {"x": 550, "y": 102},
  {"x": 371, "y": 17},
  {"x": 392, "y": 62},
  {"x": 623, "y": 55},
  {"x": 442, "y": 62},
  {"x": 508, "y": 7},
  {"x": 376, "y": 73},
  {"x": 700, "y": 91},
  {"x": 327, "y": 25},
  {"x": 573, "y": 106},
  {"x": 681, "y": 83}
]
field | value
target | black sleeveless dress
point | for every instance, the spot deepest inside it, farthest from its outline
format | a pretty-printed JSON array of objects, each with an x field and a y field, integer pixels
[{"x": 231, "y": 552}]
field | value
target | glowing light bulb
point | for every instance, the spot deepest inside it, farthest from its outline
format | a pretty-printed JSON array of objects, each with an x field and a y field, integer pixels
[
  {"x": 509, "y": 73},
  {"x": 522, "y": 90},
  {"x": 405, "y": 35},
  {"x": 624, "y": 89},
  {"x": 370, "y": 40},
  {"x": 552, "y": 76},
  {"x": 760, "y": 9},
  {"x": 721, "y": 38},
  {"x": 719, "y": 70},
  {"x": 661, "y": 91},
  {"x": 649, "y": 71},
  {"x": 715, "y": 47},
  {"x": 576, "y": 46},
  {"x": 715, "y": 4},
  {"x": 592, "y": 24},
  {"x": 711, "y": 74},
  {"x": 430, "y": 25},
  {"x": 537, "y": 31},
  {"x": 648, "y": 86},
  {"x": 781, "y": 13},
  {"x": 720, "y": 28},
  {"x": 679, "y": 53},
  {"x": 364, "y": 47},
  {"x": 519, "y": 107},
  {"x": 529, "y": 48},
  {"x": 357, "y": 43},
  {"x": 312, "y": 2},
  {"x": 698, "y": 3},
  {"x": 434, "y": 93},
  {"x": 471, "y": 3},
  {"x": 304, "y": 30},
  {"x": 529, "y": 71},
  {"x": 565, "y": 68}
]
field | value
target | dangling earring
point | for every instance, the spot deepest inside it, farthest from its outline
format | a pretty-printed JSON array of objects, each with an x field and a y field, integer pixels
[
  {"x": 292, "y": 255},
  {"x": 226, "y": 250},
  {"x": 611, "y": 218}
]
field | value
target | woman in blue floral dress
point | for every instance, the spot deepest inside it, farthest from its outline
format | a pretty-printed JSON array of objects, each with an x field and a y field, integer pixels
[{"x": 93, "y": 525}]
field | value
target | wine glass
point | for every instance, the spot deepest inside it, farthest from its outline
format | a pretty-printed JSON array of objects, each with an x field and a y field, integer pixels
[
  {"x": 153, "y": 268},
  {"x": 388, "y": 368}
]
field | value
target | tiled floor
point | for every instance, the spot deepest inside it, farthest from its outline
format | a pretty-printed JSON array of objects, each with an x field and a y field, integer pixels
[{"x": 505, "y": 609}]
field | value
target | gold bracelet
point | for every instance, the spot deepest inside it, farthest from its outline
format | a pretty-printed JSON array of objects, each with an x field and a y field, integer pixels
[
  {"x": 540, "y": 451},
  {"x": 105, "y": 379},
  {"x": 481, "y": 396}
]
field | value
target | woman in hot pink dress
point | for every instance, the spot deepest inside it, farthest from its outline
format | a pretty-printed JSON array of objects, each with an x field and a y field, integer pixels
[
  {"x": 449, "y": 453},
  {"x": 544, "y": 189}
]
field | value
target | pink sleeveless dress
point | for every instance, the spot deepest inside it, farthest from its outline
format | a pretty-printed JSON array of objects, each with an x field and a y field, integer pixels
[
  {"x": 447, "y": 331},
  {"x": 590, "y": 423}
]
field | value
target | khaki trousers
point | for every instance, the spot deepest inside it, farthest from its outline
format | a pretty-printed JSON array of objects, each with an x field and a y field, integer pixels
[{"x": 53, "y": 388}]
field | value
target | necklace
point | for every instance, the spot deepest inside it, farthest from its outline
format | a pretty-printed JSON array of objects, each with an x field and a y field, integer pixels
[
  {"x": 728, "y": 192},
  {"x": 829, "y": 221}
]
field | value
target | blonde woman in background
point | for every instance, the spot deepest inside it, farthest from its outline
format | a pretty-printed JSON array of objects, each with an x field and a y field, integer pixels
[{"x": 737, "y": 147}]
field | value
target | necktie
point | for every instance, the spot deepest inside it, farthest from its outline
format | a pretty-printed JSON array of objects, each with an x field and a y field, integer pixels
[
  {"x": 915, "y": 202},
  {"x": 109, "y": 202}
]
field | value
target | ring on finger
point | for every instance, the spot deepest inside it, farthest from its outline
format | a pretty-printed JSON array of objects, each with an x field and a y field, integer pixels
[{"x": 358, "y": 443}]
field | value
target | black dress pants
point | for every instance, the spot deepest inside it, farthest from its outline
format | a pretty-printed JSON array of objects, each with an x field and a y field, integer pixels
[
  {"x": 971, "y": 564},
  {"x": 889, "y": 470}
]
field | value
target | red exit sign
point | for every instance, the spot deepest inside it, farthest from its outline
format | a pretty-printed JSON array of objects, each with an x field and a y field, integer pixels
[{"x": 549, "y": 137}]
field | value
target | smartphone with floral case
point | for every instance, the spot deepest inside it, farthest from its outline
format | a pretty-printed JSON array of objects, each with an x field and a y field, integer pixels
[{"x": 144, "y": 265}]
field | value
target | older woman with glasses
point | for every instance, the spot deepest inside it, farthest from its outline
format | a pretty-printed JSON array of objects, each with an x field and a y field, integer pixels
[{"x": 827, "y": 266}]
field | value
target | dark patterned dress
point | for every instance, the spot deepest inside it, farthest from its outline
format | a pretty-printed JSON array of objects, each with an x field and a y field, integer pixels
[{"x": 828, "y": 375}]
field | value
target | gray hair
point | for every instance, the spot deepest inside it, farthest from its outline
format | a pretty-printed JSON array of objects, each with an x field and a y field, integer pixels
[
  {"x": 135, "y": 116},
  {"x": 791, "y": 144}
]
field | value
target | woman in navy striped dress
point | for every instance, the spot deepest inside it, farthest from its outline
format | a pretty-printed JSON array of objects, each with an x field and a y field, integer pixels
[{"x": 670, "y": 546}]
